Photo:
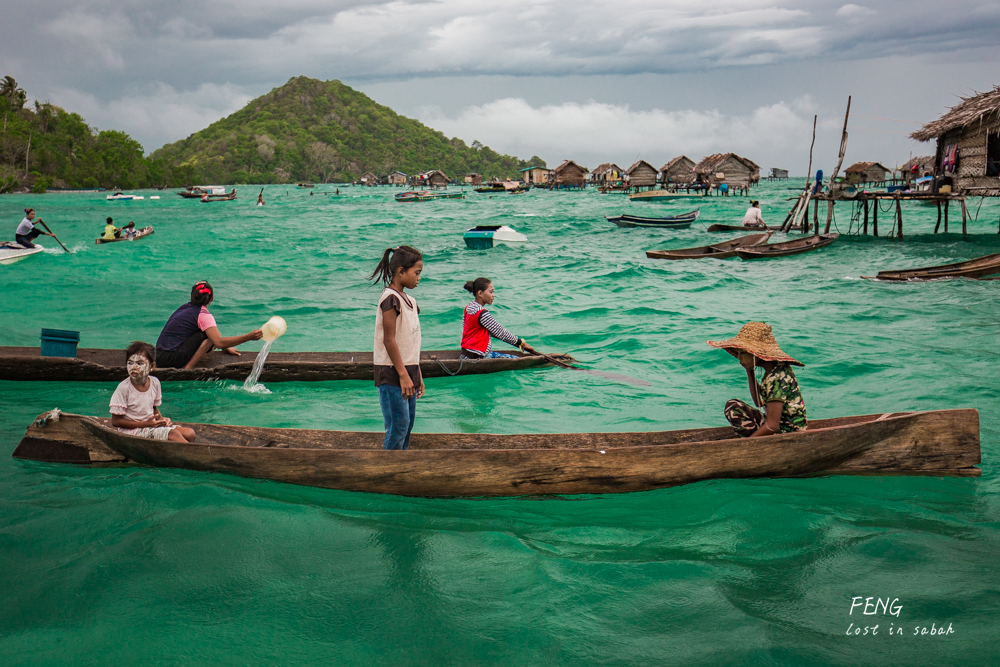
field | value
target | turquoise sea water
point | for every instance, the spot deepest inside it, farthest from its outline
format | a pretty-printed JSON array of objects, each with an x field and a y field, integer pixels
[{"x": 130, "y": 565}]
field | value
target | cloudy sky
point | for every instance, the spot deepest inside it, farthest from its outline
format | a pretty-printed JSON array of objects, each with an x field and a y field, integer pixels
[{"x": 592, "y": 81}]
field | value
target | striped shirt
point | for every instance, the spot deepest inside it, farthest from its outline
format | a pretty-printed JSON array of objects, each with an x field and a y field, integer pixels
[{"x": 490, "y": 324}]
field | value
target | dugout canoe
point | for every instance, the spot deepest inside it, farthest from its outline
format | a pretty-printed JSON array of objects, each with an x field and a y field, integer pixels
[
  {"x": 938, "y": 443},
  {"x": 96, "y": 365},
  {"x": 680, "y": 221},
  {"x": 142, "y": 233},
  {"x": 736, "y": 228},
  {"x": 799, "y": 245},
  {"x": 979, "y": 267},
  {"x": 717, "y": 250}
]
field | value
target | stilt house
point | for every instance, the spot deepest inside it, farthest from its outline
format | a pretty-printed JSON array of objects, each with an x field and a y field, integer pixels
[
  {"x": 396, "y": 178},
  {"x": 641, "y": 175},
  {"x": 608, "y": 173},
  {"x": 968, "y": 144},
  {"x": 368, "y": 178},
  {"x": 917, "y": 167},
  {"x": 434, "y": 178},
  {"x": 680, "y": 170},
  {"x": 535, "y": 175},
  {"x": 568, "y": 175},
  {"x": 474, "y": 179},
  {"x": 866, "y": 172},
  {"x": 738, "y": 172}
]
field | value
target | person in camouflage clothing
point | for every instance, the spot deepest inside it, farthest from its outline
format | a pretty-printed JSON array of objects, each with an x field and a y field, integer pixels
[{"x": 778, "y": 392}]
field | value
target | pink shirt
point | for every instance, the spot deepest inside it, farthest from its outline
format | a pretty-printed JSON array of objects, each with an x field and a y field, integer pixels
[
  {"x": 133, "y": 404},
  {"x": 205, "y": 319}
]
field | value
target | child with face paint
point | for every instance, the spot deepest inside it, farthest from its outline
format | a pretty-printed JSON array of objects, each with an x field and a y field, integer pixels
[{"x": 135, "y": 404}]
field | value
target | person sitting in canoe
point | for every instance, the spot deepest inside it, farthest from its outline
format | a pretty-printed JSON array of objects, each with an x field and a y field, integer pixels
[
  {"x": 110, "y": 231},
  {"x": 778, "y": 391},
  {"x": 260, "y": 198},
  {"x": 135, "y": 404},
  {"x": 129, "y": 230},
  {"x": 26, "y": 232},
  {"x": 480, "y": 328},
  {"x": 190, "y": 333},
  {"x": 753, "y": 219}
]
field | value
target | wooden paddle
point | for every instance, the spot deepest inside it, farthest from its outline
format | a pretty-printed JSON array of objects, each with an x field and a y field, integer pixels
[
  {"x": 53, "y": 235},
  {"x": 610, "y": 376}
]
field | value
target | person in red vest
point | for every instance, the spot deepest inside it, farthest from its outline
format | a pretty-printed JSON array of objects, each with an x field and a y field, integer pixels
[{"x": 480, "y": 327}]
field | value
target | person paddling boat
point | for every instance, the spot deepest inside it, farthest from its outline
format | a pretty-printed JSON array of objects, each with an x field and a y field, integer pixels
[
  {"x": 480, "y": 328},
  {"x": 26, "y": 232},
  {"x": 191, "y": 333},
  {"x": 110, "y": 231},
  {"x": 777, "y": 392}
]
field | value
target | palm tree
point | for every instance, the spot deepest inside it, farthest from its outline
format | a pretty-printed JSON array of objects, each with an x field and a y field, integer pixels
[{"x": 16, "y": 96}]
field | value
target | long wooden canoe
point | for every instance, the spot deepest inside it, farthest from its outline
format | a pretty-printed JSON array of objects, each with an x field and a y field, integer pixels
[
  {"x": 974, "y": 268},
  {"x": 661, "y": 195},
  {"x": 795, "y": 247},
  {"x": 737, "y": 228},
  {"x": 939, "y": 443},
  {"x": 142, "y": 233},
  {"x": 680, "y": 221},
  {"x": 717, "y": 250},
  {"x": 96, "y": 365}
]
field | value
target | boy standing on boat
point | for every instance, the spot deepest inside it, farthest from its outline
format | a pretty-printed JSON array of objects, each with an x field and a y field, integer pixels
[
  {"x": 135, "y": 405},
  {"x": 778, "y": 391},
  {"x": 397, "y": 343}
]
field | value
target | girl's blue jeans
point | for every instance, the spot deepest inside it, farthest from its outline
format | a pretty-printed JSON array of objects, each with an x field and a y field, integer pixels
[{"x": 398, "y": 414}]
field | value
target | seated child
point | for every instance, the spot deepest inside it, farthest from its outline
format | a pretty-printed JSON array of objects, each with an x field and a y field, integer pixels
[
  {"x": 129, "y": 230},
  {"x": 135, "y": 403},
  {"x": 778, "y": 392},
  {"x": 110, "y": 231}
]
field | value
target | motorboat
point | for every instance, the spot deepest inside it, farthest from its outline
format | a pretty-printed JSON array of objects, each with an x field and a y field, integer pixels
[{"x": 482, "y": 237}]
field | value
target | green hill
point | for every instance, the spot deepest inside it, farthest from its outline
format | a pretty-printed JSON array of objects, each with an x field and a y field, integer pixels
[{"x": 310, "y": 130}]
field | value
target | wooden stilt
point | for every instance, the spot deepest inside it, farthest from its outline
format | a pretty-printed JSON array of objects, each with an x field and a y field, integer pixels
[
  {"x": 899, "y": 219},
  {"x": 816, "y": 215},
  {"x": 947, "y": 203},
  {"x": 965, "y": 216},
  {"x": 875, "y": 216},
  {"x": 865, "y": 203},
  {"x": 939, "y": 218}
]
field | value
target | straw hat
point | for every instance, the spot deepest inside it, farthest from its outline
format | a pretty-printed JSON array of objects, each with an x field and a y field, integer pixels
[{"x": 757, "y": 339}]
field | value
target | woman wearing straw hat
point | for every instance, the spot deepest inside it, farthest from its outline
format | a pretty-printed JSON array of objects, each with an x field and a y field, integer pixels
[{"x": 777, "y": 392}]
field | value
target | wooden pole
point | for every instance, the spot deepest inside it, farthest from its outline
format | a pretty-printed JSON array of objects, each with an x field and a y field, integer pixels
[
  {"x": 939, "y": 218},
  {"x": 816, "y": 215},
  {"x": 965, "y": 216},
  {"x": 875, "y": 216},
  {"x": 804, "y": 208},
  {"x": 899, "y": 219},
  {"x": 833, "y": 177},
  {"x": 865, "y": 202},
  {"x": 947, "y": 204}
]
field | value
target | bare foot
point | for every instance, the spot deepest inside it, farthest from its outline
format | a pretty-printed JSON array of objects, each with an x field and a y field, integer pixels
[{"x": 233, "y": 351}]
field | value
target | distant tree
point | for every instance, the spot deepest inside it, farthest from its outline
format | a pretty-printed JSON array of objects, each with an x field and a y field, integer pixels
[
  {"x": 123, "y": 162},
  {"x": 16, "y": 96},
  {"x": 323, "y": 159}
]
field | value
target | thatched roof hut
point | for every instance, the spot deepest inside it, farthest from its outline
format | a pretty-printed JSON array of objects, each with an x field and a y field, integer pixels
[
  {"x": 918, "y": 167},
  {"x": 473, "y": 178},
  {"x": 434, "y": 178},
  {"x": 609, "y": 172},
  {"x": 641, "y": 174},
  {"x": 368, "y": 178},
  {"x": 568, "y": 175},
  {"x": 678, "y": 170},
  {"x": 968, "y": 143},
  {"x": 866, "y": 172},
  {"x": 396, "y": 178},
  {"x": 738, "y": 172}
]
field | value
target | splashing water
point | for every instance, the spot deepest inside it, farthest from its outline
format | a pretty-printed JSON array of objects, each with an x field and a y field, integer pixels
[{"x": 258, "y": 365}]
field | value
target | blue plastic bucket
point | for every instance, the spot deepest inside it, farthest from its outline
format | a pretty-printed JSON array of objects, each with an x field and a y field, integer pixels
[{"x": 59, "y": 343}]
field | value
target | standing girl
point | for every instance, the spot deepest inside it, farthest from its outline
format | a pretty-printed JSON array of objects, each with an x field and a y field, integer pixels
[
  {"x": 479, "y": 327},
  {"x": 397, "y": 343}
]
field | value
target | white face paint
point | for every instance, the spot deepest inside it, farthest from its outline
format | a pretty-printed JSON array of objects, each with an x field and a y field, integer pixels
[{"x": 138, "y": 368}]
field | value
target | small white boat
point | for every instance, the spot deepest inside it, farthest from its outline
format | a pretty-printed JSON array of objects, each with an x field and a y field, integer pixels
[
  {"x": 121, "y": 196},
  {"x": 13, "y": 252},
  {"x": 482, "y": 237}
]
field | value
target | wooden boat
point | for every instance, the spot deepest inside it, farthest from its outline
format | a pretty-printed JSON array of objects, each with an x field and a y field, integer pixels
[
  {"x": 973, "y": 268},
  {"x": 660, "y": 195},
  {"x": 494, "y": 187},
  {"x": 11, "y": 252},
  {"x": 937, "y": 443},
  {"x": 229, "y": 196},
  {"x": 142, "y": 233},
  {"x": 97, "y": 365},
  {"x": 427, "y": 196},
  {"x": 681, "y": 221},
  {"x": 717, "y": 250},
  {"x": 305, "y": 186},
  {"x": 737, "y": 228},
  {"x": 799, "y": 245},
  {"x": 199, "y": 191}
]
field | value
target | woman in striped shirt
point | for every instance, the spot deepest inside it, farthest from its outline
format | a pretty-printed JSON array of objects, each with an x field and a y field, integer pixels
[{"x": 479, "y": 327}]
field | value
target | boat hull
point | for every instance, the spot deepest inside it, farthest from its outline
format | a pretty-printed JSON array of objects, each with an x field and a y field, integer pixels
[
  {"x": 142, "y": 233},
  {"x": 737, "y": 228},
  {"x": 96, "y": 365},
  {"x": 796, "y": 247},
  {"x": 11, "y": 255},
  {"x": 974, "y": 268},
  {"x": 944, "y": 443},
  {"x": 717, "y": 251}
]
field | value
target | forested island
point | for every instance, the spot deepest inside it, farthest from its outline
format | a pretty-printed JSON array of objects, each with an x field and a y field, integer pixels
[{"x": 305, "y": 130}]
